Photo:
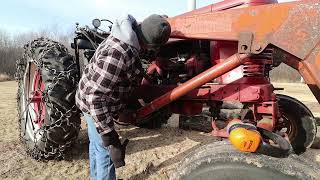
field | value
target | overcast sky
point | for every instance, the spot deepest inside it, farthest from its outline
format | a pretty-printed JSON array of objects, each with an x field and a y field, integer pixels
[{"x": 32, "y": 15}]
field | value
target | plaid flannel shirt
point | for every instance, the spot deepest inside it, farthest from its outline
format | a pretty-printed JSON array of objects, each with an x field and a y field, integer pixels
[{"x": 107, "y": 80}]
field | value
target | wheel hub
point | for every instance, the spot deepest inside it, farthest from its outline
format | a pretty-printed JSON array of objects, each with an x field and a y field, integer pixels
[
  {"x": 36, "y": 99},
  {"x": 287, "y": 126}
]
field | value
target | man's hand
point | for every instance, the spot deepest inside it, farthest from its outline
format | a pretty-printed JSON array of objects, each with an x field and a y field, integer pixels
[
  {"x": 111, "y": 138},
  {"x": 117, "y": 150},
  {"x": 117, "y": 154}
]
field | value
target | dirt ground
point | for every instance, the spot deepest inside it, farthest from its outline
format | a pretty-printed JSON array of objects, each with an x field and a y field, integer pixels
[{"x": 151, "y": 154}]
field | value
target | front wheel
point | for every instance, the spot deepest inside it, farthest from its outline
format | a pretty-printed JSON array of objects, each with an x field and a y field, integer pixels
[
  {"x": 47, "y": 78},
  {"x": 297, "y": 121}
]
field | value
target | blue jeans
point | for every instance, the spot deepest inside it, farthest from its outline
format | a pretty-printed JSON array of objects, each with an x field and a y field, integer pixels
[{"x": 101, "y": 166}]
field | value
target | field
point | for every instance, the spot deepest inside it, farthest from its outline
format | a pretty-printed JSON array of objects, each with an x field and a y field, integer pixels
[{"x": 151, "y": 154}]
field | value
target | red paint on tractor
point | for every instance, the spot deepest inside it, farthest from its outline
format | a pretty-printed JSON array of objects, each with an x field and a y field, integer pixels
[{"x": 229, "y": 78}]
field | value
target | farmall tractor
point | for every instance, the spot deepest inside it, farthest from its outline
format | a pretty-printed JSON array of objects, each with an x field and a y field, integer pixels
[{"x": 217, "y": 61}]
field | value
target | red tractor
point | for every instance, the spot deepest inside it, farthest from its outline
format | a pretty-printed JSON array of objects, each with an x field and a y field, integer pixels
[{"x": 216, "y": 63}]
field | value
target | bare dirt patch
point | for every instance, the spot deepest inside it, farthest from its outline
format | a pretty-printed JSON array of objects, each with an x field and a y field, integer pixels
[{"x": 152, "y": 154}]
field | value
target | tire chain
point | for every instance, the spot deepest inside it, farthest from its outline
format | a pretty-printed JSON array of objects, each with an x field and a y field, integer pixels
[{"x": 57, "y": 153}]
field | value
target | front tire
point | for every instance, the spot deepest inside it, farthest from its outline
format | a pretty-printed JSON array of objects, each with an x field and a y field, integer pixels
[
  {"x": 49, "y": 120},
  {"x": 297, "y": 121}
]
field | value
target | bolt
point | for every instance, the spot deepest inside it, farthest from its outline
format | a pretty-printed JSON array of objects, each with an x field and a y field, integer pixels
[
  {"x": 244, "y": 47},
  {"x": 258, "y": 47}
]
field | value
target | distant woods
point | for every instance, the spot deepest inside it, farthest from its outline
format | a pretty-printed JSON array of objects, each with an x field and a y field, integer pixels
[{"x": 11, "y": 48}]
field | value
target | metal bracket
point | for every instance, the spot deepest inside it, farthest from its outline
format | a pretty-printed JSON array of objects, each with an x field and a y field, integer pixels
[{"x": 245, "y": 42}]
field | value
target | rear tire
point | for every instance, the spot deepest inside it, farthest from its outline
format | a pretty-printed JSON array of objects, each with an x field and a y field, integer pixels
[
  {"x": 221, "y": 161},
  {"x": 49, "y": 120}
]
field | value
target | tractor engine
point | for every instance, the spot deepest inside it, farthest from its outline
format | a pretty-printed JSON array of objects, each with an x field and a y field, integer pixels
[
  {"x": 178, "y": 62},
  {"x": 245, "y": 92}
]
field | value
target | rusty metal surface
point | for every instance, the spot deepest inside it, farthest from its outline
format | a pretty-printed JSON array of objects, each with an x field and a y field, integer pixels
[
  {"x": 208, "y": 75},
  {"x": 291, "y": 26},
  {"x": 310, "y": 71},
  {"x": 309, "y": 68},
  {"x": 300, "y": 32}
]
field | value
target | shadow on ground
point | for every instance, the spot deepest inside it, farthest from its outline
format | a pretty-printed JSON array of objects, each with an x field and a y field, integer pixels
[{"x": 80, "y": 149}]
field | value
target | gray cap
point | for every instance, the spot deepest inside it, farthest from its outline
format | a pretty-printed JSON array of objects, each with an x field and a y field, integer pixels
[{"x": 155, "y": 30}]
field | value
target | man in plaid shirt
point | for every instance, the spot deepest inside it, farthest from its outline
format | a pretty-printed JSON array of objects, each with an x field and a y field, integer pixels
[{"x": 108, "y": 79}]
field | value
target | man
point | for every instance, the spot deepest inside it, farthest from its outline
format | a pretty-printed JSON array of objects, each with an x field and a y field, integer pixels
[{"x": 108, "y": 79}]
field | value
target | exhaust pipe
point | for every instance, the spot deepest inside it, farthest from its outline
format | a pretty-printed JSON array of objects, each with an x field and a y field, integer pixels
[{"x": 191, "y": 5}]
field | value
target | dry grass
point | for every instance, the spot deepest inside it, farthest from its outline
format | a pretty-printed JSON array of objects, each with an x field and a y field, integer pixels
[
  {"x": 151, "y": 154},
  {"x": 5, "y": 77}
]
